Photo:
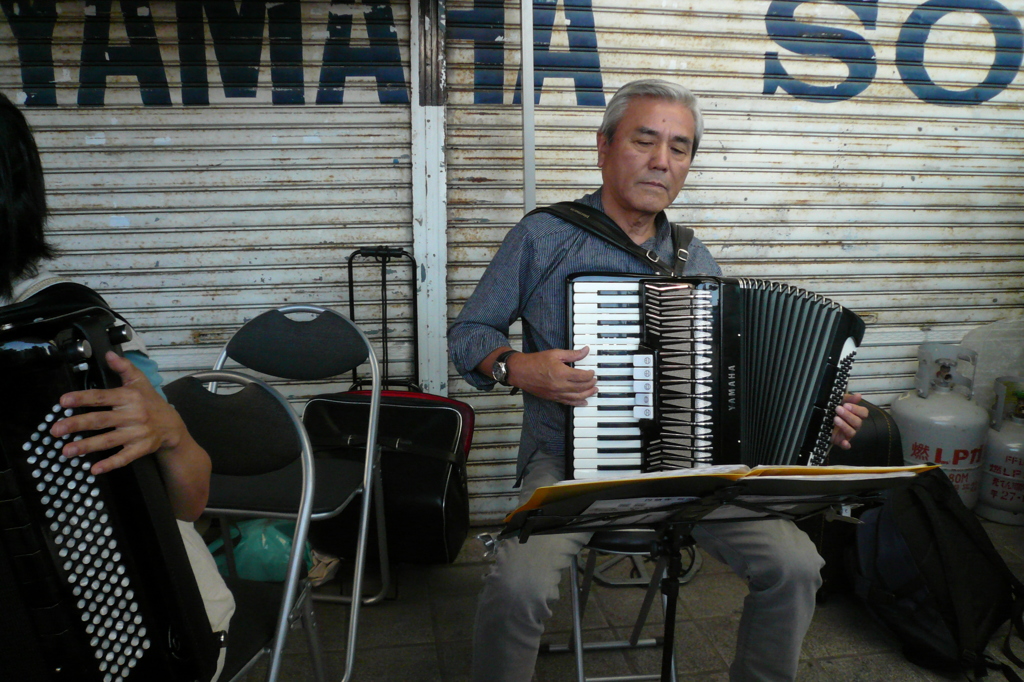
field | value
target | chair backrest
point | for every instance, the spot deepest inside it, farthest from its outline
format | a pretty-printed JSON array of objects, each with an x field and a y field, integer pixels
[
  {"x": 246, "y": 433},
  {"x": 275, "y": 344}
]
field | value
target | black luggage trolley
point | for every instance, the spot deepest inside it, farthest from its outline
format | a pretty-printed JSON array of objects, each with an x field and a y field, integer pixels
[{"x": 425, "y": 441}]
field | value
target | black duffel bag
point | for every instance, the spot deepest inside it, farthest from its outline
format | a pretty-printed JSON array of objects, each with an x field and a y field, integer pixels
[
  {"x": 877, "y": 444},
  {"x": 424, "y": 441}
]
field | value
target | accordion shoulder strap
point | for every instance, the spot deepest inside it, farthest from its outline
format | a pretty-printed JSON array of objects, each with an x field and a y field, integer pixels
[
  {"x": 39, "y": 286},
  {"x": 599, "y": 224},
  {"x": 681, "y": 238},
  {"x": 57, "y": 298}
]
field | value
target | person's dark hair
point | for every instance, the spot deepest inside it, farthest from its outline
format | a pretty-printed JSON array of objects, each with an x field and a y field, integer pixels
[
  {"x": 656, "y": 89},
  {"x": 22, "y": 199}
]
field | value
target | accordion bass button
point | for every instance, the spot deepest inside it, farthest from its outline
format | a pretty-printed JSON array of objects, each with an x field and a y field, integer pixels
[
  {"x": 119, "y": 335},
  {"x": 77, "y": 351}
]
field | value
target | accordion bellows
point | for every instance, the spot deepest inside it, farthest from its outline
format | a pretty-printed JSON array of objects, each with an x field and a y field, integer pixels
[{"x": 705, "y": 370}]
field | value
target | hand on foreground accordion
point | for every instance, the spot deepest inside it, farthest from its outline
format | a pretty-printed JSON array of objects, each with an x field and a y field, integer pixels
[
  {"x": 706, "y": 370},
  {"x": 94, "y": 580}
]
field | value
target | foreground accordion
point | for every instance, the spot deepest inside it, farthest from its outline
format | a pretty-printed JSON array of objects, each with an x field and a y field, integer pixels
[
  {"x": 704, "y": 371},
  {"x": 95, "y": 584}
]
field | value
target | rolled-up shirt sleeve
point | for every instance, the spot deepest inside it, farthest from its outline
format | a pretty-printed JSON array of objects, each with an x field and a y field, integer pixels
[{"x": 496, "y": 303}]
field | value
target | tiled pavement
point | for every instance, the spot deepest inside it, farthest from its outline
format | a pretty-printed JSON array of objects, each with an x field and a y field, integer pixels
[{"x": 423, "y": 633}]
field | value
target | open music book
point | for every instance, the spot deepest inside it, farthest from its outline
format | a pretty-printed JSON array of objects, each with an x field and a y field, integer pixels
[{"x": 714, "y": 493}]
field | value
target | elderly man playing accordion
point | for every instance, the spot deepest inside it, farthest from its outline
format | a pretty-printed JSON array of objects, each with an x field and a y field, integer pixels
[{"x": 646, "y": 142}]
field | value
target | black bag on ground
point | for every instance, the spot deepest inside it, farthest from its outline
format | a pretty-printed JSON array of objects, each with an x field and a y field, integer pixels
[
  {"x": 925, "y": 566},
  {"x": 877, "y": 444},
  {"x": 424, "y": 443}
]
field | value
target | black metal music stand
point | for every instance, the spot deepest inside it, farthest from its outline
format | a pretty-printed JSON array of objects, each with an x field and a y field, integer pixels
[{"x": 696, "y": 499}]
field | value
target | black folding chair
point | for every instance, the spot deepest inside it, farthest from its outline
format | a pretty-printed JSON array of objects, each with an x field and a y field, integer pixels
[
  {"x": 329, "y": 344},
  {"x": 279, "y": 345},
  {"x": 249, "y": 434}
]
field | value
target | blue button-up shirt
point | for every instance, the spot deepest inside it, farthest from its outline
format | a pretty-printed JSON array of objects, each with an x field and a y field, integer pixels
[{"x": 527, "y": 279}]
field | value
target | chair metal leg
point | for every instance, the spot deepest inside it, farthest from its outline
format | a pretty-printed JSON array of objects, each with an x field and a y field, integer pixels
[
  {"x": 382, "y": 543},
  {"x": 302, "y": 611},
  {"x": 588, "y": 577},
  {"x": 385, "y": 564},
  {"x": 666, "y": 577},
  {"x": 645, "y": 608},
  {"x": 643, "y": 576},
  {"x": 578, "y": 605},
  {"x": 309, "y": 625},
  {"x": 580, "y": 593},
  {"x": 357, "y": 579},
  {"x": 295, "y": 575}
]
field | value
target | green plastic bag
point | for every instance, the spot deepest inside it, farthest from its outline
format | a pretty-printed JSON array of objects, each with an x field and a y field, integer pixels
[{"x": 261, "y": 551}]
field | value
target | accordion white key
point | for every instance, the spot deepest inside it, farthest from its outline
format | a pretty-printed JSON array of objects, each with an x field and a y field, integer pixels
[{"x": 705, "y": 370}]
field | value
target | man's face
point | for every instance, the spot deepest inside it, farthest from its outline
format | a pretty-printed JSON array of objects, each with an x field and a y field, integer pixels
[{"x": 645, "y": 163}]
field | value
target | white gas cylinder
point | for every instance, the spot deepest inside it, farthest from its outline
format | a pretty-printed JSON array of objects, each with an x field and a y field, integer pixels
[
  {"x": 939, "y": 422},
  {"x": 1001, "y": 497}
]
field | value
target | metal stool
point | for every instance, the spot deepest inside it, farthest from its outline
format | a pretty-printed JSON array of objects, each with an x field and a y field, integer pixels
[
  {"x": 641, "y": 575},
  {"x": 666, "y": 547}
]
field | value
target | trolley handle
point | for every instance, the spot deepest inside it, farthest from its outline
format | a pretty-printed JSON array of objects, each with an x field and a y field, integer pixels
[
  {"x": 384, "y": 254},
  {"x": 383, "y": 251}
]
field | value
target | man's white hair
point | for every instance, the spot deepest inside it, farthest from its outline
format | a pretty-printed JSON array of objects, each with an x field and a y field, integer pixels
[{"x": 657, "y": 89}]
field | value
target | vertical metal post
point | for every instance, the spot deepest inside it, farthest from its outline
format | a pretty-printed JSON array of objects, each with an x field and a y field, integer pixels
[
  {"x": 529, "y": 121},
  {"x": 429, "y": 189}
]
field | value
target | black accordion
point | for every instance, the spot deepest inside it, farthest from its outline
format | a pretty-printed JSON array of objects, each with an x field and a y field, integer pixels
[
  {"x": 701, "y": 371},
  {"x": 95, "y": 583}
]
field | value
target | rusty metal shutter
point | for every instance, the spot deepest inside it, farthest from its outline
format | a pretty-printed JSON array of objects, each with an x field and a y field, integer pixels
[
  {"x": 869, "y": 152},
  {"x": 206, "y": 161}
]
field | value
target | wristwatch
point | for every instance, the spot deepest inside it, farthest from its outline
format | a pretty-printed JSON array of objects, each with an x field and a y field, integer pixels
[{"x": 499, "y": 370}]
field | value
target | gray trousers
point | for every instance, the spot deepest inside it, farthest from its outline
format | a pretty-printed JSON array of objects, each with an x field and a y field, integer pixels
[{"x": 776, "y": 559}]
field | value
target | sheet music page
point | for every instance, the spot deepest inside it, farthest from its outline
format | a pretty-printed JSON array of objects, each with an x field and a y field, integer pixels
[
  {"x": 719, "y": 470},
  {"x": 733, "y": 511},
  {"x": 762, "y": 478},
  {"x": 572, "y": 488},
  {"x": 653, "y": 504}
]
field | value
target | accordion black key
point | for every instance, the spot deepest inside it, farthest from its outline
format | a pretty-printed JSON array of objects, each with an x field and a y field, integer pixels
[
  {"x": 704, "y": 371},
  {"x": 95, "y": 583}
]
